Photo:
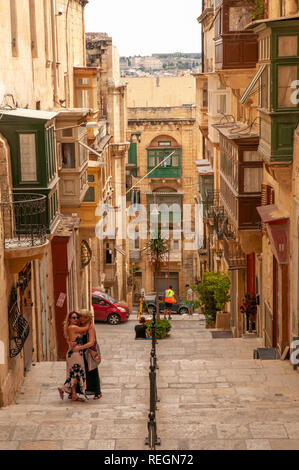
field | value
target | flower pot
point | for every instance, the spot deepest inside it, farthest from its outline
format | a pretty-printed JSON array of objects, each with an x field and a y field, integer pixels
[
  {"x": 210, "y": 324},
  {"x": 223, "y": 320}
]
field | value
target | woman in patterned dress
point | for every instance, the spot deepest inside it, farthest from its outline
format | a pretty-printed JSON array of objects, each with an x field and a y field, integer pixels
[
  {"x": 75, "y": 368},
  {"x": 93, "y": 384}
]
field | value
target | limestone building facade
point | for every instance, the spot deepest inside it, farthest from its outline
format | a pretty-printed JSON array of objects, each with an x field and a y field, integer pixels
[
  {"x": 107, "y": 175},
  {"x": 156, "y": 132},
  {"x": 251, "y": 215},
  {"x": 41, "y": 43}
]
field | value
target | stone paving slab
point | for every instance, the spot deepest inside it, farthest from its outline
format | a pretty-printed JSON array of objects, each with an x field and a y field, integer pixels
[{"x": 213, "y": 395}]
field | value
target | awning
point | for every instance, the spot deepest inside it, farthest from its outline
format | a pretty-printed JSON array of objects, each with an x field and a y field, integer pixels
[
  {"x": 29, "y": 113},
  {"x": 271, "y": 214},
  {"x": 277, "y": 223},
  {"x": 252, "y": 84},
  {"x": 204, "y": 167}
]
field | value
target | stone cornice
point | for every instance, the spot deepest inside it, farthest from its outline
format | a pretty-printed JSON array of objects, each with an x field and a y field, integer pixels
[
  {"x": 162, "y": 120},
  {"x": 119, "y": 149}
]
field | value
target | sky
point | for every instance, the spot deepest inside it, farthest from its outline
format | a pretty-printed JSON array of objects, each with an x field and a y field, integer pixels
[{"x": 145, "y": 27}]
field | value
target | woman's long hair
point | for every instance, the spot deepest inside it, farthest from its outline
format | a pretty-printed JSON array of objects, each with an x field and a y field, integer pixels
[
  {"x": 86, "y": 314},
  {"x": 66, "y": 323}
]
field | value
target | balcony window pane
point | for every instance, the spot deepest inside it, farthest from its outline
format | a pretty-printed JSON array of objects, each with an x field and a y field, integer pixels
[
  {"x": 68, "y": 155},
  {"x": 176, "y": 245},
  {"x": 151, "y": 162},
  {"x": 167, "y": 160},
  {"x": 90, "y": 195},
  {"x": 205, "y": 97},
  {"x": 239, "y": 17},
  {"x": 251, "y": 156},
  {"x": 83, "y": 154},
  {"x": 83, "y": 81},
  {"x": 286, "y": 75},
  {"x": 28, "y": 157},
  {"x": 83, "y": 98},
  {"x": 221, "y": 104},
  {"x": 175, "y": 160},
  {"x": 265, "y": 89},
  {"x": 288, "y": 46},
  {"x": 67, "y": 133},
  {"x": 253, "y": 178}
]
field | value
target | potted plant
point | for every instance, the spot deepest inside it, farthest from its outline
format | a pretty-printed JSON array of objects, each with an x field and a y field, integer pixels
[
  {"x": 163, "y": 328},
  {"x": 249, "y": 308},
  {"x": 213, "y": 294}
]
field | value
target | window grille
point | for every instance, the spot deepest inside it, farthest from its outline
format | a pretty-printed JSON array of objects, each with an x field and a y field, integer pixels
[{"x": 18, "y": 326}]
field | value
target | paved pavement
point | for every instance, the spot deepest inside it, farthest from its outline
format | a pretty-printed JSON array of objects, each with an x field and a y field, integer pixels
[{"x": 213, "y": 396}]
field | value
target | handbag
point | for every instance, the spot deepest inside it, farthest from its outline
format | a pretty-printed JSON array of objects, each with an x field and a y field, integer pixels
[{"x": 93, "y": 357}]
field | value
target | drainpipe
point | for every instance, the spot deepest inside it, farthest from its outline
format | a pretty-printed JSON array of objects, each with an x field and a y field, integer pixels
[{"x": 53, "y": 19}]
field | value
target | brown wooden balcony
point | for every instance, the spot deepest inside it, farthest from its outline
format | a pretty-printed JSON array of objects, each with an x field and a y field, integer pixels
[
  {"x": 110, "y": 273},
  {"x": 135, "y": 255},
  {"x": 236, "y": 51},
  {"x": 233, "y": 254},
  {"x": 241, "y": 209}
]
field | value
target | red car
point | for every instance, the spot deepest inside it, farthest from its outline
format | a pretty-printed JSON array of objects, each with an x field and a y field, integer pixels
[{"x": 108, "y": 309}]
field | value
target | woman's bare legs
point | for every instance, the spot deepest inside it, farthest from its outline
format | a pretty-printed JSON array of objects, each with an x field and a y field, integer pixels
[{"x": 74, "y": 394}]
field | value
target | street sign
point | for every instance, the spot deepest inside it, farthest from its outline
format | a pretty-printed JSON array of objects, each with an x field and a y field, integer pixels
[{"x": 61, "y": 300}]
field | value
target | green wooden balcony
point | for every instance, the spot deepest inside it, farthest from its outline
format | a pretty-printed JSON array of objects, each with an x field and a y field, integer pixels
[{"x": 170, "y": 168}]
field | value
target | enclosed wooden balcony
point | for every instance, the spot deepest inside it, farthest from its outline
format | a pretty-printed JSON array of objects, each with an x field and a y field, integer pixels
[
  {"x": 241, "y": 173},
  {"x": 73, "y": 154},
  {"x": 241, "y": 209},
  {"x": 235, "y": 47},
  {"x": 236, "y": 51}
]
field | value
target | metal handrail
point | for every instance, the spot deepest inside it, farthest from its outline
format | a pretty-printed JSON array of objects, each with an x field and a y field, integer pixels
[{"x": 152, "y": 439}]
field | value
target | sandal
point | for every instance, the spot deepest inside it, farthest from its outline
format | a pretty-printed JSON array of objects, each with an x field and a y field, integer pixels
[
  {"x": 97, "y": 397},
  {"x": 77, "y": 399},
  {"x": 61, "y": 393}
]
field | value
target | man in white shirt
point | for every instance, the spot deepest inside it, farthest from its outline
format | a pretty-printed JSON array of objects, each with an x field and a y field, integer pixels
[{"x": 189, "y": 296}]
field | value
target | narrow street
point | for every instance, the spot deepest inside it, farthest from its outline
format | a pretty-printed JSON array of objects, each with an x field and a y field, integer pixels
[{"x": 213, "y": 396}]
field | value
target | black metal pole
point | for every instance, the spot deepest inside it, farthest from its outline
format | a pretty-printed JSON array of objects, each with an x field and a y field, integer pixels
[{"x": 152, "y": 440}]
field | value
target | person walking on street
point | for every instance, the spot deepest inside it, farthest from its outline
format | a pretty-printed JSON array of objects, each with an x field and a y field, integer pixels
[
  {"x": 168, "y": 301},
  {"x": 189, "y": 296}
]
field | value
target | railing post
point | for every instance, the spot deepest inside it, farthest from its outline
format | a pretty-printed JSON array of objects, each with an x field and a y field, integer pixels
[{"x": 152, "y": 440}]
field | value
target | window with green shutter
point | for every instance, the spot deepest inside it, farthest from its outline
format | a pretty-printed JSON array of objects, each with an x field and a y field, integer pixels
[{"x": 133, "y": 153}]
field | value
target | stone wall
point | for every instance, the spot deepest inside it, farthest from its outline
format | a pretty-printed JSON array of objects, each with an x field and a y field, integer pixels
[
  {"x": 161, "y": 91},
  {"x": 27, "y": 73},
  {"x": 177, "y": 123}
]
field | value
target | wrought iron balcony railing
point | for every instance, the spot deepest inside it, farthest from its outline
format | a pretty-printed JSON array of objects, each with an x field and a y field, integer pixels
[
  {"x": 234, "y": 255},
  {"x": 24, "y": 220}
]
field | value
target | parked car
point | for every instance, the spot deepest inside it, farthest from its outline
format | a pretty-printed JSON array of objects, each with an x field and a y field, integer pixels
[
  {"x": 178, "y": 307},
  {"x": 108, "y": 309}
]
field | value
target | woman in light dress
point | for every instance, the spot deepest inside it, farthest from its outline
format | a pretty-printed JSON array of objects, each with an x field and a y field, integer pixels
[{"x": 75, "y": 367}]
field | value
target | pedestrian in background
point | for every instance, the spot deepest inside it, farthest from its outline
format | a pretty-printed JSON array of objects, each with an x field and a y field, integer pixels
[
  {"x": 141, "y": 330},
  {"x": 189, "y": 297},
  {"x": 169, "y": 300}
]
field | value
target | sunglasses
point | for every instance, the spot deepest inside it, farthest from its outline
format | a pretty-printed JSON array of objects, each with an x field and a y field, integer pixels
[{"x": 75, "y": 318}]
